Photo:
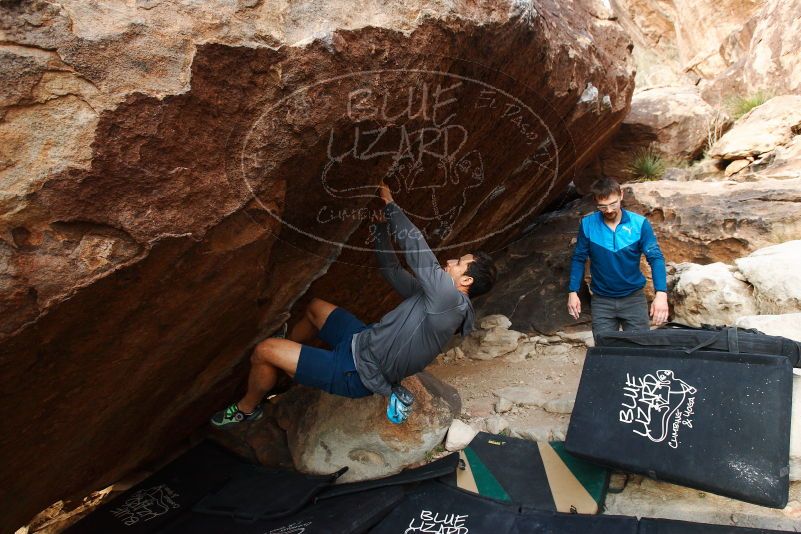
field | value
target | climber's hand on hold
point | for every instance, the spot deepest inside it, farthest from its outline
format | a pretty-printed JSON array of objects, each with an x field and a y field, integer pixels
[{"x": 385, "y": 193}]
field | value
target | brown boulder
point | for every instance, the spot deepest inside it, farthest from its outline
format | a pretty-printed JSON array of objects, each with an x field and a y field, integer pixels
[
  {"x": 718, "y": 221},
  {"x": 263, "y": 442},
  {"x": 167, "y": 166},
  {"x": 326, "y": 432},
  {"x": 763, "y": 129}
]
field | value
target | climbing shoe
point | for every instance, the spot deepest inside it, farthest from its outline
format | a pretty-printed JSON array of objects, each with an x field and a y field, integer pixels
[{"x": 232, "y": 415}]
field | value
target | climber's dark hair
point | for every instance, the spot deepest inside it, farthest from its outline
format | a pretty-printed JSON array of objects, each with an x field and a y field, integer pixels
[
  {"x": 483, "y": 271},
  {"x": 605, "y": 187}
]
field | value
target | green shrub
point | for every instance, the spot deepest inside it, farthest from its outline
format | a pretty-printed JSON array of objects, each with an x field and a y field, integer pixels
[
  {"x": 740, "y": 105},
  {"x": 647, "y": 164}
]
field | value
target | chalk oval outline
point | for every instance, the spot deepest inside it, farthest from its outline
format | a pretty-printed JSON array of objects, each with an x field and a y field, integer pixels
[{"x": 550, "y": 136}]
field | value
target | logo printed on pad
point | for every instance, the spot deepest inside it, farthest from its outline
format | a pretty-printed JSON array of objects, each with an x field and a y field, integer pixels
[
  {"x": 295, "y": 528},
  {"x": 146, "y": 504},
  {"x": 438, "y": 523},
  {"x": 658, "y": 406}
]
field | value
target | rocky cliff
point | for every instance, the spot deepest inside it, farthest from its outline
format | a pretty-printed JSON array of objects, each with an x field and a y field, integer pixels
[{"x": 175, "y": 177}]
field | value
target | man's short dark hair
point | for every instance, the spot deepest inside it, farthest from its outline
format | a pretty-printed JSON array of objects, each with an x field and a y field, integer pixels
[
  {"x": 483, "y": 271},
  {"x": 605, "y": 187}
]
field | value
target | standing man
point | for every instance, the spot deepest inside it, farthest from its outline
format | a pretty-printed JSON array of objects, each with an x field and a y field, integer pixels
[
  {"x": 366, "y": 359},
  {"x": 614, "y": 239}
]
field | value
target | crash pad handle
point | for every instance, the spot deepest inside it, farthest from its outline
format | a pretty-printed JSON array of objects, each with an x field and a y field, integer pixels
[
  {"x": 732, "y": 340},
  {"x": 713, "y": 336}
]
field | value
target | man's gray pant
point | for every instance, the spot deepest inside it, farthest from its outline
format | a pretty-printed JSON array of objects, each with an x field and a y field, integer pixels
[{"x": 630, "y": 312}]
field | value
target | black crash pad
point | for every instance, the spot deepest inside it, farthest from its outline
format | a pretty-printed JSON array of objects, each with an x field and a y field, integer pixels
[
  {"x": 348, "y": 514},
  {"x": 261, "y": 493},
  {"x": 718, "y": 422},
  {"x": 165, "y": 496}
]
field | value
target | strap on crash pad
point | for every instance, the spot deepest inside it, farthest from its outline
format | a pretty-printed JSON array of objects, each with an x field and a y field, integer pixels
[{"x": 732, "y": 340}]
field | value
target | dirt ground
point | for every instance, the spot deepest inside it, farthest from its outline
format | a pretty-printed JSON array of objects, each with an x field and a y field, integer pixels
[{"x": 478, "y": 381}]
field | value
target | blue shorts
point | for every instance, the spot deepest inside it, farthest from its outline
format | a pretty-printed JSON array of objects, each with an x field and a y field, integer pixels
[{"x": 333, "y": 370}]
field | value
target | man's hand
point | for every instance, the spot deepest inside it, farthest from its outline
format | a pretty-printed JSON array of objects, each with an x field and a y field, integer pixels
[
  {"x": 384, "y": 193},
  {"x": 659, "y": 308},
  {"x": 574, "y": 305}
]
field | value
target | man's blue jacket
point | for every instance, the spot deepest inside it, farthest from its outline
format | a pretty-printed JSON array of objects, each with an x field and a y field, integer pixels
[{"x": 615, "y": 255}]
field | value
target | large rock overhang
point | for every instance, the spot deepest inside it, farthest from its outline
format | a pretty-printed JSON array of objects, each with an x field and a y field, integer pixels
[{"x": 134, "y": 286}]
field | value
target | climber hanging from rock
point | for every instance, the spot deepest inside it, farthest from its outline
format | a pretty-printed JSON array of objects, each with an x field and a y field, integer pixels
[{"x": 367, "y": 359}]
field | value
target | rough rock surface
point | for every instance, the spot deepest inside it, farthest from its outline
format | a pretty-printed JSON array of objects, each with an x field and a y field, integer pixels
[
  {"x": 531, "y": 289},
  {"x": 782, "y": 163},
  {"x": 786, "y": 324},
  {"x": 326, "y": 432},
  {"x": 735, "y": 166},
  {"x": 677, "y": 41},
  {"x": 761, "y": 130},
  {"x": 722, "y": 220},
  {"x": 459, "y": 436},
  {"x": 491, "y": 343},
  {"x": 711, "y": 294},
  {"x": 540, "y": 397},
  {"x": 775, "y": 275},
  {"x": 492, "y": 321},
  {"x": 673, "y": 121},
  {"x": 651, "y": 498},
  {"x": 729, "y": 48},
  {"x": 767, "y": 57},
  {"x": 495, "y": 424},
  {"x": 757, "y": 291},
  {"x": 262, "y": 441},
  {"x": 149, "y": 150}
]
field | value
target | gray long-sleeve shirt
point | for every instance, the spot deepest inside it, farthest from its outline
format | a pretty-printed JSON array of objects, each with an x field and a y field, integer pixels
[{"x": 409, "y": 337}]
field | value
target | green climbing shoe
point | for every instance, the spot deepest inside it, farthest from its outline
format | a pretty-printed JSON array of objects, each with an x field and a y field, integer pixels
[{"x": 233, "y": 415}]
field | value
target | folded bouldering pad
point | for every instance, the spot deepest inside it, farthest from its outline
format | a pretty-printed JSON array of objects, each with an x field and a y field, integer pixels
[
  {"x": 718, "y": 422},
  {"x": 262, "y": 493},
  {"x": 538, "y": 475},
  {"x": 669, "y": 526},
  {"x": 438, "y": 468},
  {"x": 722, "y": 339},
  {"x": 165, "y": 496},
  {"x": 348, "y": 514}
]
